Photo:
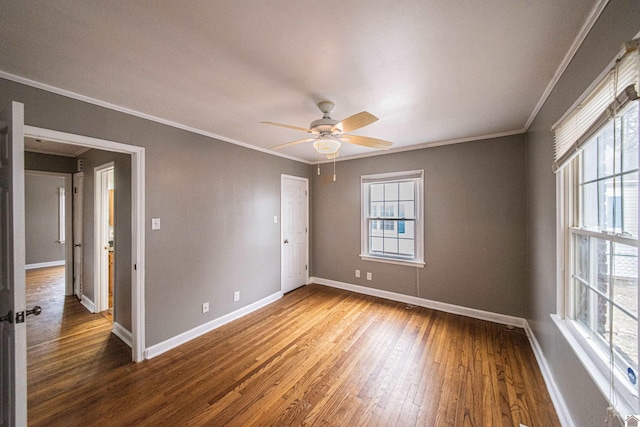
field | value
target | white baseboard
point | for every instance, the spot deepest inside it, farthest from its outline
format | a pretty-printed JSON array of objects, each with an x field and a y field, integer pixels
[
  {"x": 88, "y": 304},
  {"x": 122, "y": 333},
  {"x": 44, "y": 264},
  {"x": 158, "y": 349},
  {"x": 552, "y": 386},
  {"x": 423, "y": 302}
]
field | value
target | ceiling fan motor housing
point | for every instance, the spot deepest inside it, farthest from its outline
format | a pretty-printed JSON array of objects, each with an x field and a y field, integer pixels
[{"x": 324, "y": 126}]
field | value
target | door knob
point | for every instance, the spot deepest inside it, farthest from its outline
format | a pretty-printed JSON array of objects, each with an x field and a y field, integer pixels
[{"x": 36, "y": 310}]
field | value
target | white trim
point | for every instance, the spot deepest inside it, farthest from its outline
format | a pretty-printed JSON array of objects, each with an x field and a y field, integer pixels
[
  {"x": 171, "y": 343},
  {"x": 44, "y": 264},
  {"x": 552, "y": 386},
  {"x": 88, "y": 304},
  {"x": 122, "y": 333},
  {"x": 104, "y": 104},
  {"x": 398, "y": 261},
  {"x": 601, "y": 379},
  {"x": 503, "y": 319},
  {"x": 100, "y": 235},
  {"x": 137, "y": 223},
  {"x": 415, "y": 176},
  {"x": 584, "y": 31}
]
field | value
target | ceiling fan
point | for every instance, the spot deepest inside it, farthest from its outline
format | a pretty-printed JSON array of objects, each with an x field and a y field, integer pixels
[{"x": 328, "y": 133}]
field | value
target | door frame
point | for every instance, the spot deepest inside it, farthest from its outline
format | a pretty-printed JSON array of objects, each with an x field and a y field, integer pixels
[
  {"x": 77, "y": 218},
  {"x": 137, "y": 224},
  {"x": 283, "y": 177},
  {"x": 100, "y": 230}
]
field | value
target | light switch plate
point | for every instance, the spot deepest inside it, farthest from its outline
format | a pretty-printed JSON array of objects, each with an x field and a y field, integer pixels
[{"x": 155, "y": 223}]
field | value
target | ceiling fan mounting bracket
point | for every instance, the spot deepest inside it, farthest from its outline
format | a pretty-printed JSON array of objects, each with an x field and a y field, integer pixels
[{"x": 327, "y": 108}]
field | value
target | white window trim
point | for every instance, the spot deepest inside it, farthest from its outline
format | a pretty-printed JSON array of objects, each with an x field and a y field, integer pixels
[
  {"x": 418, "y": 260},
  {"x": 624, "y": 397}
]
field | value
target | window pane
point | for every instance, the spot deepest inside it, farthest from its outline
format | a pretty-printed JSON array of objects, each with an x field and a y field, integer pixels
[
  {"x": 390, "y": 245},
  {"x": 406, "y": 247},
  {"x": 406, "y": 210},
  {"x": 375, "y": 228},
  {"x": 630, "y": 138},
  {"x": 390, "y": 209},
  {"x": 625, "y": 273},
  {"x": 590, "y": 161},
  {"x": 581, "y": 303},
  {"x": 590, "y": 205},
  {"x": 581, "y": 261},
  {"x": 376, "y": 209},
  {"x": 391, "y": 191},
  {"x": 606, "y": 152},
  {"x": 630, "y": 203},
  {"x": 407, "y": 191},
  {"x": 376, "y": 244},
  {"x": 625, "y": 338},
  {"x": 409, "y": 230},
  {"x": 376, "y": 192},
  {"x": 610, "y": 204}
]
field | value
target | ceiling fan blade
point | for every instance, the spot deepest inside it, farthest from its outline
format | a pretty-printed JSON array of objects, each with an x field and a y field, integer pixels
[
  {"x": 365, "y": 141},
  {"x": 277, "y": 147},
  {"x": 355, "y": 122},
  {"x": 287, "y": 126}
]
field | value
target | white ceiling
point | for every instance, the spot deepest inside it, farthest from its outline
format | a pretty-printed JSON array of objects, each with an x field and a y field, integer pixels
[{"x": 432, "y": 71}]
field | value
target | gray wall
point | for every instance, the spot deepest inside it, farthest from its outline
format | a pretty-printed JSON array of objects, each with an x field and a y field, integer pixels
[
  {"x": 41, "y": 218},
  {"x": 216, "y": 202},
  {"x": 619, "y": 22},
  {"x": 49, "y": 163},
  {"x": 474, "y": 225},
  {"x": 122, "y": 240}
]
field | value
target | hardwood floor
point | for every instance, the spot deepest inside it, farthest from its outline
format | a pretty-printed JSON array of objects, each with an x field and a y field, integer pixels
[{"x": 318, "y": 356}]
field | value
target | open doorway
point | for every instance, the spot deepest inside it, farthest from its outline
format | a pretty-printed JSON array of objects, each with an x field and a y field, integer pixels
[
  {"x": 104, "y": 229},
  {"x": 131, "y": 329}
]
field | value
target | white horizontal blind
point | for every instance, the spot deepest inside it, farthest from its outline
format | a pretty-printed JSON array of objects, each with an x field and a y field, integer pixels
[{"x": 597, "y": 107}]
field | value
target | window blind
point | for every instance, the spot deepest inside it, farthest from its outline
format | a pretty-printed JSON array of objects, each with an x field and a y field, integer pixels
[
  {"x": 619, "y": 87},
  {"x": 365, "y": 179}
]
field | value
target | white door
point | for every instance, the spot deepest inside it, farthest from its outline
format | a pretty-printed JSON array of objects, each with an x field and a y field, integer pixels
[
  {"x": 295, "y": 231},
  {"x": 78, "y": 192},
  {"x": 13, "y": 329}
]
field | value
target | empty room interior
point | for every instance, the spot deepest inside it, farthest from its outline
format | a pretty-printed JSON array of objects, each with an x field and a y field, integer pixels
[{"x": 320, "y": 213}]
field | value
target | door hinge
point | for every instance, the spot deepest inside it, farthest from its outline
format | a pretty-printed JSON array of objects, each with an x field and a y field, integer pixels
[
  {"x": 75, "y": 190},
  {"x": 305, "y": 267},
  {"x": 305, "y": 230},
  {"x": 305, "y": 192},
  {"x": 135, "y": 266}
]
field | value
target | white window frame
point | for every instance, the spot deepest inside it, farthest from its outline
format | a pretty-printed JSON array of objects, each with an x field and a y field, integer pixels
[
  {"x": 417, "y": 176},
  {"x": 621, "y": 393}
]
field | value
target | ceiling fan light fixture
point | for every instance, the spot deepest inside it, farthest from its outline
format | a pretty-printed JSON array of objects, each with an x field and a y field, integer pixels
[{"x": 326, "y": 145}]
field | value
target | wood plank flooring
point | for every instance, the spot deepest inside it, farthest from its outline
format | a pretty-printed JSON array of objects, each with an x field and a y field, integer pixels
[{"x": 318, "y": 356}]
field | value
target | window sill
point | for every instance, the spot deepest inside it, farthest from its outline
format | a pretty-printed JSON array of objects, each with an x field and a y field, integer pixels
[
  {"x": 409, "y": 263},
  {"x": 626, "y": 398}
]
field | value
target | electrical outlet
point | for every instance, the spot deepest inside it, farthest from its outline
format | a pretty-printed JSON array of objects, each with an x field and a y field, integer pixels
[
  {"x": 357, "y": 273},
  {"x": 205, "y": 307},
  {"x": 369, "y": 277},
  {"x": 236, "y": 296}
]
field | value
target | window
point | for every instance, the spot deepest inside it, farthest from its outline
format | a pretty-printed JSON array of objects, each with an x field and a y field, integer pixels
[
  {"x": 598, "y": 234},
  {"x": 392, "y": 218}
]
